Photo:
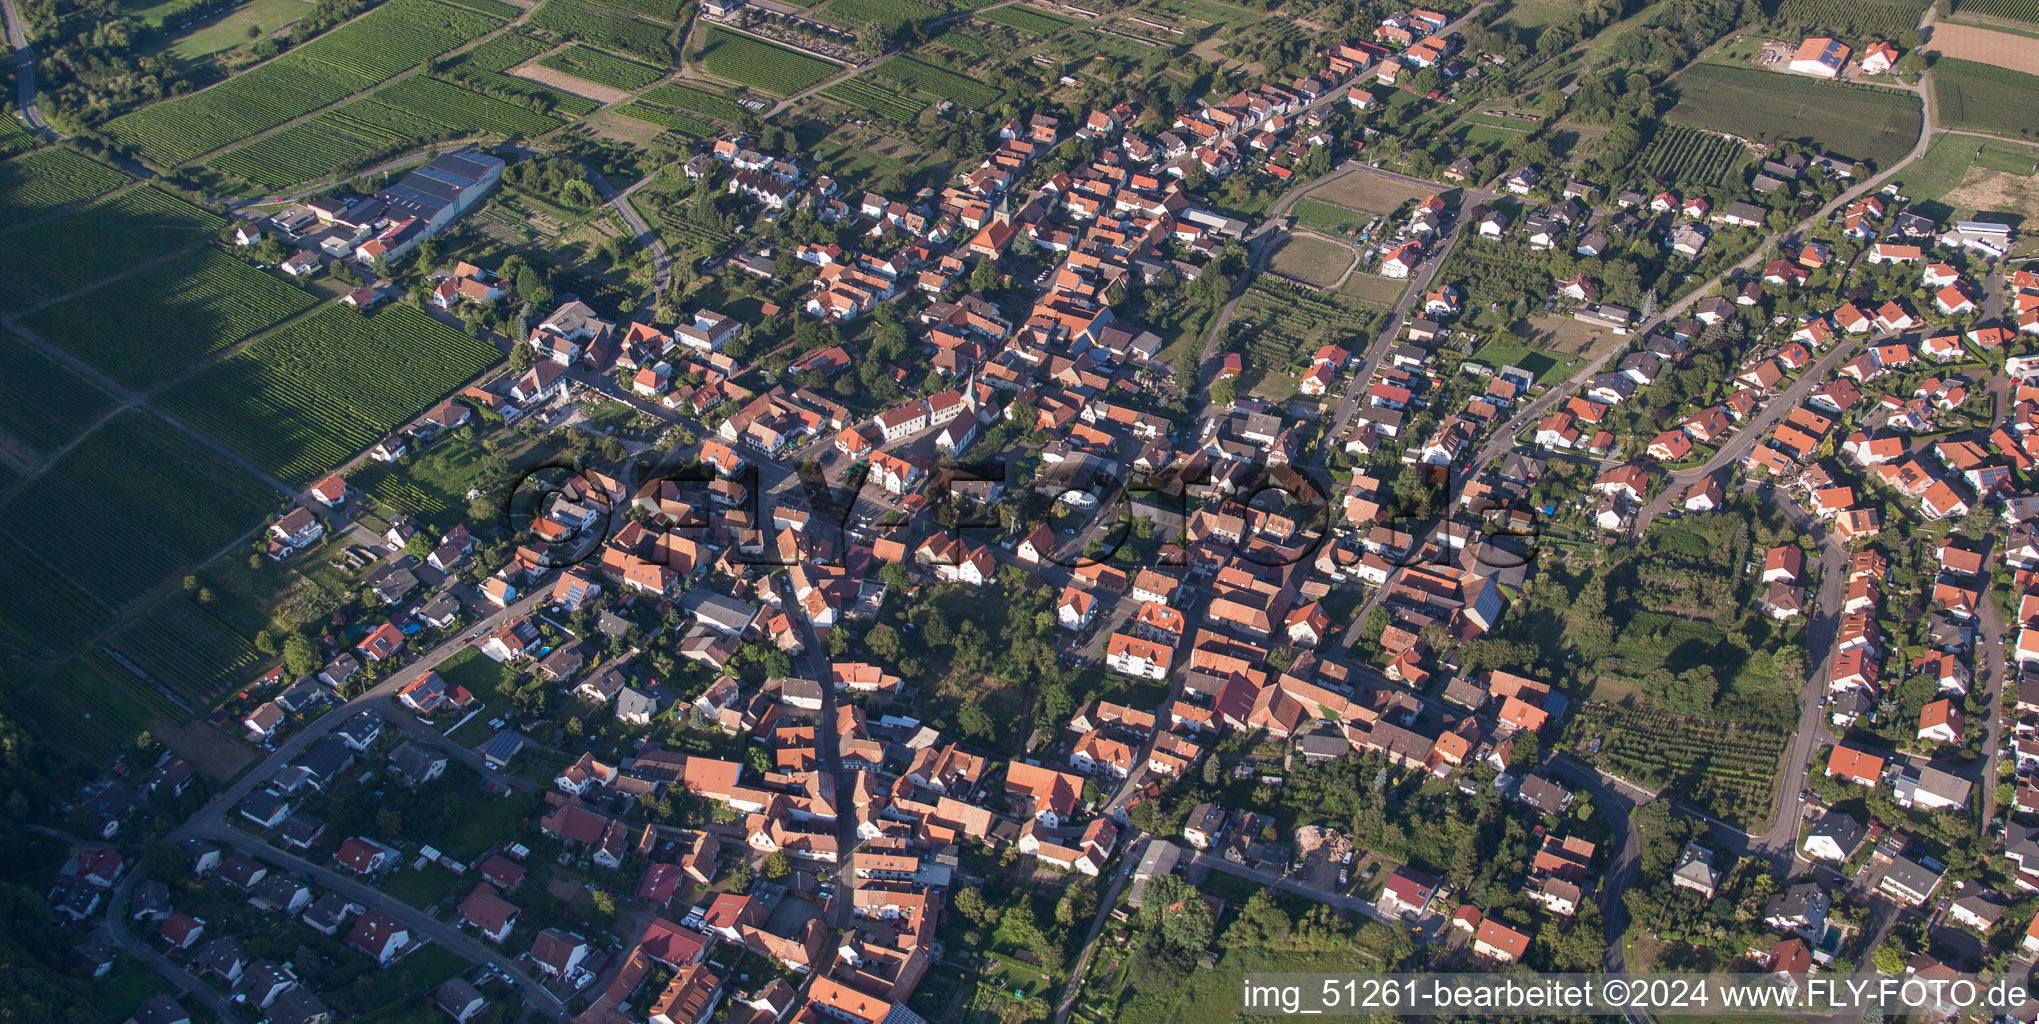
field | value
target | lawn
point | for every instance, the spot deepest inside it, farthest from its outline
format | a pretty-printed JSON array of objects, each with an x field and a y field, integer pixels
[
  {"x": 1961, "y": 175},
  {"x": 1315, "y": 213},
  {"x": 235, "y": 28},
  {"x": 1860, "y": 123},
  {"x": 1374, "y": 289},
  {"x": 1506, "y": 350},
  {"x": 1370, "y": 193}
]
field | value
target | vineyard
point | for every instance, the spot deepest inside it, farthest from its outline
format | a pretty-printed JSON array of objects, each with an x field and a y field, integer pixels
[
  {"x": 892, "y": 14},
  {"x": 1681, "y": 157},
  {"x": 42, "y": 403},
  {"x": 143, "y": 328},
  {"x": 658, "y": 10},
  {"x": 1877, "y": 125},
  {"x": 594, "y": 23},
  {"x": 1728, "y": 769},
  {"x": 133, "y": 504},
  {"x": 682, "y": 123},
  {"x": 680, "y": 97},
  {"x": 889, "y": 102},
  {"x": 1863, "y": 19},
  {"x": 305, "y": 398},
  {"x": 1276, "y": 325},
  {"x": 67, "y": 252},
  {"x": 493, "y": 8},
  {"x": 14, "y": 138},
  {"x": 1026, "y": 19},
  {"x": 942, "y": 82},
  {"x": 374, "y": 48},
  {"x": 2011, "y": 10},
  {"x": 588, "y": 63},
  {"x": 37, "y": 183},
  {"x": 1985, "y": 98},
  {"x": 957, "y": 38},
  {"x": 760, "y": 65},
  {"x": 186, "y": 649},
  {"x": 483, "y": 67},
  {"x": 77, "y": 709},
  {"x": 43, "y": 611},
  {"x": 396, "y": 117}
]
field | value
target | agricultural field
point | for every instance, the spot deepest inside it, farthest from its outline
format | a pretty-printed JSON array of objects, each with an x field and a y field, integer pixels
[
  {"x": 65, "y": 253},
  {"x": 78, "y": 709},
  {"x": 594, "y": 23},
  {"x": 143, "y": 328},
  {"x": 42, "y": 611},
  {"x": 1313, "y": 261},
  {"x": 43, "y": 403},
  {"x": 36, "y": 184},
  {"x": 683, "y": 123},
  {"x": 1678, "y": 157},
  {"x": 305, "y": 398},
  {"x": 884, "y": 101},
  {"x": 1275, "y": 327},
  {"x": 395, "y": 118},
  {"x": 1369, "y": 193},
  {"x": 1962, "y": 176},
  {"x": 591, "y": 64},
  {"x": 482, "y": 68},
  {"x": 759, "y": 64},
  {"x": 687, "y": 98},
  {"x": 492, "y": 8},
  {"x": 374, "y": 48},
  {"x": 132, "y": 505},
  {"x": 657, "y": 10},
  {"x": 185, "y": 648},
  {"x": 892, "y": 14},
  {"x": 2014, "y": 50},
  {"x": 1877, "y": 125},
  {"x": 1985, "y": 98},
  {"x": 2026, "y": 11},
  {"x": 1727, "y": 768},
  {"x": 1026, "y": 19},
  {"x": 1854, "y": 19},
  {"x": 14, "y": 138},
  {"x": 941, "y": 82},
  {"x": 1210, "y": 12}
]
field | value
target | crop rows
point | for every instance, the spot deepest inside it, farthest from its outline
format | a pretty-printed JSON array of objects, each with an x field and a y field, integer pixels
[
  {"x": 43, "y": 404},
  {"x": 892, "y": 14},
  {"x": 188, "y": 650},
  {"x": 146, "y": 327},
  {"x": 1026, "y": 19},
  {"x": 658, "y": 10},
  {"x": 1684, "y": 156},
  {"x": 891, "y": 102},
  {"x": 493, "y": 8},
  {"x": 942, "y": 82},
  {"x": 42, "y": 610},
  {"x": 682, "y": 123},
  {"x": 33, "y": 184},
  {"x": 483, "y": 67},
  {"x": 957, "y": 38},
  {"x": 1728, "y": 768},
  {"x": 79, "y": 711},
  {"x": 71, "y": 250},
  {"x": 305, "y": 398},
  {"x": 133, "y": 504},
  {"x": 694, "y": 101},
  {"x": 588, "y": 63},
  {"x": 14, "y": 138},
  {"x": 394, "y": 117},
  {"x": 2013, "y": 10},
  {"x": 1855, "y": 19},
  {"x": 373, "y": 48},
  {"x": 759, "y": 64},
  {"x": 596, "y": 24}
]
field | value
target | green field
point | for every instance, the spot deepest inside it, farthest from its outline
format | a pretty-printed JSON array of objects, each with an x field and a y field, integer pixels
[
  {"x": 14, "y": 138},
  {"x": 395, "y": 118},
  {"x": 65, "y": 253},
  {"x": 889, "y": 101},
  {"x": 1877, "y": 125},
  {"x": 43, "y": 403},
  {"x": 892, "y": 14},
  {"x": 605, "y": 26},
  {"x": 377, "y": 46},
  {"x": 36, "y": 184},
  {"x": 685, "y": 124},
  {"x": 184, "y": 647},
  {"x": 590, "y": 64},
  {"x": 1681, "y": 157},
  {"x": 132, "y": 505},
  {"x": 1985, "y": 98},
  {"x": 77, "y": 709},
  {"x": 760, "y": 65},
  {"x": 939, "y": 82},
  {"x": 1315, "y": 213},
  {"x": 1727, "y": 768},
  {"x": 305, "y": 398},
  {"x": 145, "y": 327},
  {"x": 1949, "y": 160},
  {"x": 1026, "y": 19},
  {"x": 695, "y": 101},
  {"x": 2010, "y": 10},
  {"x": 1865, "y": 20},
  {"x": 482, "y": 68}
]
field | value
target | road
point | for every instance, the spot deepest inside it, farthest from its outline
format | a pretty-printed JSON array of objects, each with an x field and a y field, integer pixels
[
  {"x": 1128, "y": 860},
  {"x": 24, "y": 71},
  {"x": 661, "y": 263},
  {"x": 1617, "y": 806}
]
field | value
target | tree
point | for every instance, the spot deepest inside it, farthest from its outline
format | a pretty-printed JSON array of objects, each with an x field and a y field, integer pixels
[
  {"x": 605, "y": 904},
  {"x": 777, "y": 865},
  {"x": 419, "y": 546},
  {"x": 1224, "y": 390},
  {"x": 986, "y": 276},
  {"x": 970, "y": 903},
  {"x": 300, "y": 655},
  {"x": 389, "y": 822}
]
